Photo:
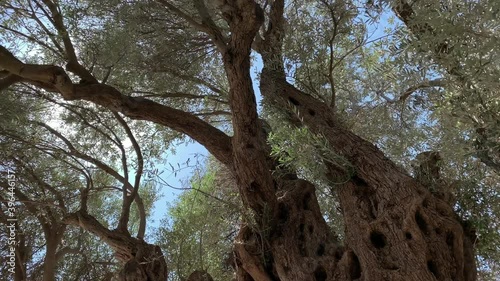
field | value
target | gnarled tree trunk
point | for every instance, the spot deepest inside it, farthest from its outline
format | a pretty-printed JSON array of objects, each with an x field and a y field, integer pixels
[{"x": 395, "y": 228}]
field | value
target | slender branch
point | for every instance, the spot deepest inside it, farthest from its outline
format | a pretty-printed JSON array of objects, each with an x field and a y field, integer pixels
[
  {"x": 75, "y": 152},
  {"x": 32, "y": 39},
  {"x": 213, "y": 31},
  {"x": 64, "y": 251},
  {"x": 127, "y": 201},
  {"x": 73, "y": 64},
  {"x": 45, "y": 185},
  {"x": 216, "y": 112},
  {"x": 72, "y": 108},
  {"x": 408, "y": 92},
  {"x": 331, "y": 80},
  {"x": 147, "y": 94},
  {"x": 207, "y": 26},
  {"x": 423, "y": 85},
  {"x": 45, "y": 29},
  {"x": 31, "y": 207},
  {"x": 198, "y": 80}
]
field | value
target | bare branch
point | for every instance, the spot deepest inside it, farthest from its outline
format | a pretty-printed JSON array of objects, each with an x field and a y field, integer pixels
[
  {"x": 73, "y": 64},
  {"x": 179, "y": 95},
  {"x": 127, "y": 200},
  {"x": 198, "y": 80},
  {"x": 51, "y": 35},
  {"x": 207, "y": 26},
  {"x": 216, "y": 112},
  {"x": 75, "y": 152},
  {"x": 32, "y": 39},
  {"x": 64, "y": 251}
]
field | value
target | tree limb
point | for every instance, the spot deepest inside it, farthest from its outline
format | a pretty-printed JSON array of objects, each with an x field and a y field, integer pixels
[
  {"x": 73, "y": 64},
  {"x": 127, "y": 200},
  {"x": 423, "y": 85},
  {"x": 216, "y": 142},
  {"x": 207, "y": 26}
]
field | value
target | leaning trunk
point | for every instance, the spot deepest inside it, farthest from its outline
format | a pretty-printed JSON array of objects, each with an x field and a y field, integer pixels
[{"x": 395, "y": 228}]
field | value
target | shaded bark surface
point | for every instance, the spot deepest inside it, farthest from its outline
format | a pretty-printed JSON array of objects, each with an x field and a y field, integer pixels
[{"x": 395, "y": 228}]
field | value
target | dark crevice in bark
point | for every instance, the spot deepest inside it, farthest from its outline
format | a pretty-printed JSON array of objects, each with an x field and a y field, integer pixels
[
  {"x": 305, "y": 201},
  {"x": 359, "y": 182},
  {"x": 421, "y": 222},
  {"x": 355, "y": 267},
  {"x": 294, "y": 101},
  {"x": 320, "y": 274},
  {"x": 282, "y": 213},
  {"x": 449, "y": 239},
  {"x": 433, "y": 268},
  {"x": 378, "y": 239},
  {"x": 321, "y": 250}
]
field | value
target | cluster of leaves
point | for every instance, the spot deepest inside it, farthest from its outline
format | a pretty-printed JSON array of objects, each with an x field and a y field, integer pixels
[
  {"x": 47, "y": 189},
  {"x": 53, "y": 155},
  {"x": 201, "y": 225}
]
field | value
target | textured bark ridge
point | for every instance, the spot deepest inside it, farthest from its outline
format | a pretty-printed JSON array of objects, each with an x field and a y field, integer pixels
[
  {"x": 303, "y": 246},
  {"x": 299, "y": 247},
  {"x": 142, "y": 261},
  {"x": 405, "y": 236},
  {"x": 396, "y": 229}
]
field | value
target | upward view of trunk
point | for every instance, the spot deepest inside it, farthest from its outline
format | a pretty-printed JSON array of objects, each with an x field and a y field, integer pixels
[{"x": 395, "y": 228}]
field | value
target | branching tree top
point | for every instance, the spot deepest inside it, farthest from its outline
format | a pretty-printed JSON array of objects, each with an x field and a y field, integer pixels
[{"x": 375, "y": 154}]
